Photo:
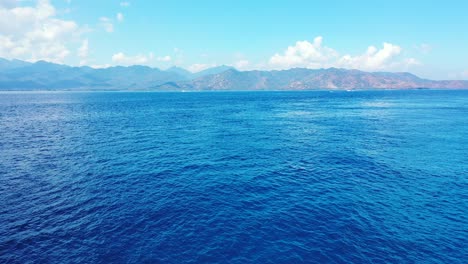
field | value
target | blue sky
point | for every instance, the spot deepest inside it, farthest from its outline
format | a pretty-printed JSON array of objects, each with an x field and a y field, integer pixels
[{"x": 427, "y": 38}]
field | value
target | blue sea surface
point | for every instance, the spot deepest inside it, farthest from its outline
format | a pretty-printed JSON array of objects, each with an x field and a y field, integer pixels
[{"x": 243, "y": 177}]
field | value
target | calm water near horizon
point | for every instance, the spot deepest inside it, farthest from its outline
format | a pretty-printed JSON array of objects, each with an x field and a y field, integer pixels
[{"x": 234, "y": 177}]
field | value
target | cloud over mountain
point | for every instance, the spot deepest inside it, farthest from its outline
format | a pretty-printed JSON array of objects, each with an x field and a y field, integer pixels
[
  {"x": 122, "y": 59},
  {"x": 304, "y": 54},
  {"x": 315, "y": 55}
]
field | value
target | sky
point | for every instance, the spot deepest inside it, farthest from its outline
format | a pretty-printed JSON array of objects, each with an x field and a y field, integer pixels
[{"x": 427, "y": 38}]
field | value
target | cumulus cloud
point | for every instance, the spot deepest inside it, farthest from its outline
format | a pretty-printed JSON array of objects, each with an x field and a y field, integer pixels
[
  {"x": 120, "y": 17},
  {"x": 304, "y": 54},
  {"x": 241, "y": 64},
  {"x": 100, "y": 66},
  {"x": 166, "y": 58},
  {"x": 122, "y": 59},
  {"x": 372, "y": 59},
  {"x": 34, "y": 33},
  {"x": 124, "y": 4},
  {"x": 315, "y": 55}
]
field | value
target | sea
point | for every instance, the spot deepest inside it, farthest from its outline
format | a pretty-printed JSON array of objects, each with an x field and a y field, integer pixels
[{"x": 234, "y": 177}]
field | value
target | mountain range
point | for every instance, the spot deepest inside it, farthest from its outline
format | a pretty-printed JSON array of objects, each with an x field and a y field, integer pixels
[{"x": 41, "y": 75}]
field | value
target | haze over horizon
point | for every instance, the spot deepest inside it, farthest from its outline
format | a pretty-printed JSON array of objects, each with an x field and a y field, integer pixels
[{"x": 396, "y": 36}]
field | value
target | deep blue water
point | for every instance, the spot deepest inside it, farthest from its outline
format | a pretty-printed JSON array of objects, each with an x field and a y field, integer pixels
[{"x": 259, "y": 177}]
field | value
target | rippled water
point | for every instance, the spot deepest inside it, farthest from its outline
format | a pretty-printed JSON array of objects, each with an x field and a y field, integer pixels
[{"x": 264, "y": 177}]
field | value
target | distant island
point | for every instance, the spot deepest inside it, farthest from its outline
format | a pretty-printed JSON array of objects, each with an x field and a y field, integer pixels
[{"x": 41, "y": 75}]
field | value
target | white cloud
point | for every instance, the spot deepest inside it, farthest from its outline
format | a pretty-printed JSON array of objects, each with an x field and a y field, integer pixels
[
  {"x": 100, "y": 66},
  {"x": 241, "y": 64},
  {"x": 140, "y": 59},
  {"x": 166, "y": 58},
  {"x": 316, "y": 55},
  {"x": 200, "y": 67},
  {"x": 106, "y": 23},
  {"x": 34, "y": 33},
  {"x": 83, "y": 52},
  {"x": 372, "y": 59},
  {"x": 124, "y": 4},
  {"x": 304, "y": 54},
  {"x": 120, "y": 17}
]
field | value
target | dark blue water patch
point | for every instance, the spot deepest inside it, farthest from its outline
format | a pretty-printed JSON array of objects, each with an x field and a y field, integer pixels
[{"x": 269, "y": 177}]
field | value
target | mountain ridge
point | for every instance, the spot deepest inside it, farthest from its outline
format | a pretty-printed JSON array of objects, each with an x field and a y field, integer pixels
[{"x": 42, "y": 75}]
